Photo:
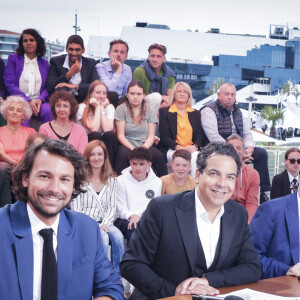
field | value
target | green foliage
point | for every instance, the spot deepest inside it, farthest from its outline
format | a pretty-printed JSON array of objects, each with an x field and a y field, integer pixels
[
  {"x": 215, "y": 86},
  {"x": 273, "y": 115}
]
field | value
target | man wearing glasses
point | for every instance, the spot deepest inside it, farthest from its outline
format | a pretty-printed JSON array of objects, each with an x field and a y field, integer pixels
[{"x": 274, "y": 230}]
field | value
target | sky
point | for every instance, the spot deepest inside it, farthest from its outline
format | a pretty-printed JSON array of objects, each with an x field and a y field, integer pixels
[{"x": 55, "y": 18}]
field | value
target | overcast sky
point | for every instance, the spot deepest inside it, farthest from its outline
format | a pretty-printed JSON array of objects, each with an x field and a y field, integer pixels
[{"x": 55, "y": 18}]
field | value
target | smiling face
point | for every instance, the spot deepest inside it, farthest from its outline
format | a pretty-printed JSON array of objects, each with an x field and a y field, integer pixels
[
  {"x": 15, "y": 113},
  {"x": 75, "y": 52},
  {"x": 216, "y": 183},
  {"x": 62, "y": 109},
  {"x": 181, "y": 168},
  {"x": 293, "y": 167},
  {"x": 29, "y": 44},
  {"x": 135, "y": 96},
  {"x": 96, "y": 159},
  {"x": 50, "y": 185},
  {"x": 99, "y": 93}
]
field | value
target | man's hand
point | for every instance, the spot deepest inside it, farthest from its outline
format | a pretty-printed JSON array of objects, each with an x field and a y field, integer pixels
[
  {"x": 133, "y": 220},
  {"x": 195, "y": 285},
  {"x": 104, "y": 228},
  {"x": 116, "y": 65},
  {"x": 68, "y": 85},
  {"x": 294, "y": 270},
  {"x": 74, "y": 69},
  {"x": 165, "y": 101},
  {"x": 35, "y": 106},
  {"x": 248, "y": 155}
]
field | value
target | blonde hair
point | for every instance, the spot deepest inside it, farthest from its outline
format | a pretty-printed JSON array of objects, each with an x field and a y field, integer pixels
[{"x": 190, "y": 101}]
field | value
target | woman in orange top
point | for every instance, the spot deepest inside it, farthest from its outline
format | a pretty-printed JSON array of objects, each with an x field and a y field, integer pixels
[
  {"x": 180, "y": 126},
  {"x": 13, "y": 136}
]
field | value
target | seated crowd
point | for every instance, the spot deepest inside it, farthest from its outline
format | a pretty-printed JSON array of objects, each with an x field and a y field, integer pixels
[{"x": 127, "y": 132}]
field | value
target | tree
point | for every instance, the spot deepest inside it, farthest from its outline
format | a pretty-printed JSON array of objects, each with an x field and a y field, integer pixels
[
  {"x": 214, "y": 87},
  {"x": 271, "y": 114}
]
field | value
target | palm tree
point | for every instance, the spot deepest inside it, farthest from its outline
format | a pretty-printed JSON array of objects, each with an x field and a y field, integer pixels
[{"x": 271, "y": 114}]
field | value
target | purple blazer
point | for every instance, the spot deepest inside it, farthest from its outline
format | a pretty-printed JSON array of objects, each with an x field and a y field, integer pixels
[{"x": 13, "y": 71}]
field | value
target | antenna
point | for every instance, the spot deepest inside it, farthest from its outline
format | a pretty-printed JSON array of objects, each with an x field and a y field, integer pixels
[{"x": 77, "y": 28}]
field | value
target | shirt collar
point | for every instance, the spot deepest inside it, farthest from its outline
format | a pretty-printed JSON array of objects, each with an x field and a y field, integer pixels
[
  {"x": 67, "y": 63},
  {"x": 201, "y": 211},
  {"x": 37, "y": 224},
  {"x": 27, "y": 60},
  {"x": 291, "y": 177},
  {"x": 173, "y": 108}
]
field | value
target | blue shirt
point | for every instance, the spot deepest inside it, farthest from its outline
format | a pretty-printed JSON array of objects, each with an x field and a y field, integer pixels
[{"x": 114, "y": 82}]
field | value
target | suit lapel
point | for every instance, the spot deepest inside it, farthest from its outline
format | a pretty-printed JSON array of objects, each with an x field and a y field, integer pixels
[
  {"x": 84, "y": 71},
  {"x": 64, "y": 255},
  {"x": 292, "y": 221},
  {"x": 186, "y": 218},
  {"x": 227, "y": 223},
  {"x": 172, "y": 116},
  {"x": 24, "y": 248},
  {"x": 287, "y": 184}
]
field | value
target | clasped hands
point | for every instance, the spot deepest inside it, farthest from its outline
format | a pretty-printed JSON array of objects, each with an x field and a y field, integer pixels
[{"x": 195, "y": 286}]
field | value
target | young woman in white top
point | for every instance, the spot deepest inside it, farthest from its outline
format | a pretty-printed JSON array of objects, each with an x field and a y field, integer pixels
[
  {"x": 99, "y": 201},
  {"x": 96, "y": 115}
]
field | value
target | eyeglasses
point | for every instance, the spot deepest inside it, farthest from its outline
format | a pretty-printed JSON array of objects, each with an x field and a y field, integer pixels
[{"x": 293, "y": 160}]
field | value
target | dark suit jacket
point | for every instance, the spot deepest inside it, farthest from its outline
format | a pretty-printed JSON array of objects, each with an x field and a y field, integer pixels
[
  {"x": 274, "y": 231},
  {"x": 82, "y": 267},
  {"x": 57, "y": 74},
  {"x": 168, "y": 129},
  {"x": 163, "y": 250},
  {"x": 280, "y": 185}
]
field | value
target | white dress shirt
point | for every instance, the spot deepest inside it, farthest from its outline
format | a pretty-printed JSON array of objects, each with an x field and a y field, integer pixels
[
  {"x": 38, "y": 243},
  {"x": 291, "y": 178},
  {"x": 30, "y": 81},
  {"x": 75, "y": 79},
  {"x": 208, "y": 231}
]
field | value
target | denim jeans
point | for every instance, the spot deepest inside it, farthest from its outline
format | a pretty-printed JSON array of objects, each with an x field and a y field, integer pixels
[{"x": 114, "y": 237}]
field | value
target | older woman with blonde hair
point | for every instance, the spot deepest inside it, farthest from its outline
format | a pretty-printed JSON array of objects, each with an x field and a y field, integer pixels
[
  {"x": 180, "y": 126},
  {"x": 16, "y": 110}
]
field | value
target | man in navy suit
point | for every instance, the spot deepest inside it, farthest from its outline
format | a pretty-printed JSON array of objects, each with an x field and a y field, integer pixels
[
  {"x": 50, "y": 174},
  {"x": 196, "y": 241},
  {"x": 72, "y": 72},
  {"x": 274, "y": 230}
]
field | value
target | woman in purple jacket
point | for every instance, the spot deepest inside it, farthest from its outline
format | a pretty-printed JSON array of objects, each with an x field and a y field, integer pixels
[{"x": 26, "y": 72}]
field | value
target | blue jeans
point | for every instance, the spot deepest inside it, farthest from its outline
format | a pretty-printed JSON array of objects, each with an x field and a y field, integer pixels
[{"x": 114, "y": 237}]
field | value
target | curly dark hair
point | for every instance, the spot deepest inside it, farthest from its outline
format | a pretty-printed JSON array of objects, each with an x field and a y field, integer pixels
[
  {"x": 140, "y": 153},
  {"x": 41, "y": 48},
  {"x": 219, "y": 148},
  {"x": 53, "y": 146},
  {"x": 66, "y": 96}
]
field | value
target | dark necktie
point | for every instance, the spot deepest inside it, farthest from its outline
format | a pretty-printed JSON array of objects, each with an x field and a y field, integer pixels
[
  {"x": 294, "y": 185},
  {"x": 49, "y": 269}
]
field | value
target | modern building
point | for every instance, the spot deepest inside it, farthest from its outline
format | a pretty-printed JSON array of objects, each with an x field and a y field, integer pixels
[
  {"x": 9, "y": 42},
  {"x": 201, "y": 59}
]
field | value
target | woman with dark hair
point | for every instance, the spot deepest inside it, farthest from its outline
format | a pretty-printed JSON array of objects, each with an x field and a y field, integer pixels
[
  {"x": 26, "y": 72},
  {"x": 96, "y": 115},
  {"x": 135, "y": 124},
  {"x": 64, "y": 108},
  {"x": 99, "y": 200},
  {"x": 287, "y": 182}
]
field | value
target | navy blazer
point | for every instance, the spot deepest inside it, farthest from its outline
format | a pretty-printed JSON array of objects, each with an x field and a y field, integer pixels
[
  {"x": 57, "y": 74},
  {"x": 163, "y": 249},
  {"x": 281, "y": 185},
  {"x": 168, "y": 129},
  {"x": 83, "y": 269},
  {"x": 274, "y": 231}
]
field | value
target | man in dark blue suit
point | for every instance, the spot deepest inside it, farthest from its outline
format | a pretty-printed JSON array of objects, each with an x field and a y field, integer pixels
[
  {"x": 196, "y": 241},
  {"x": 50, "y": 174},
  {"x": 274, "y": 230}
]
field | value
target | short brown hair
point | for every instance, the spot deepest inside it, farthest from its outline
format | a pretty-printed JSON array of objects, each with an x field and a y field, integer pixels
[
  {"x": 183, "y": 154},
  {"x": 162, "y": 48},
  {"x": 66, "y": 96},
  {"x": 287, "y": 153},
  {"x": 119, "y": 41}
]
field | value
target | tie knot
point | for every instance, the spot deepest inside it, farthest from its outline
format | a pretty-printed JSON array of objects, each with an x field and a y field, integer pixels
[
  {"x": 47, "y": 234},
  {"x": 294, "y": 181}
]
